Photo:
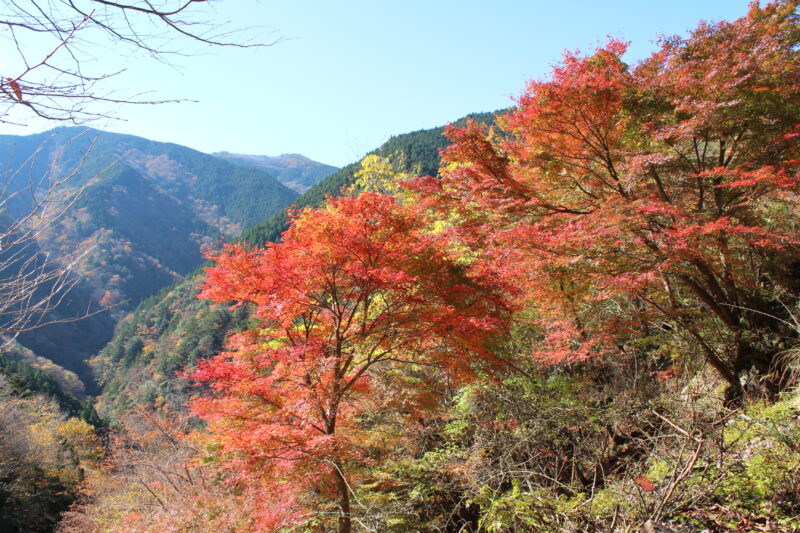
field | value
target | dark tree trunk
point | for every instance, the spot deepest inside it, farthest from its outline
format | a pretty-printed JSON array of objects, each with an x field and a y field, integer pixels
[{"x": 343, "y": 496}]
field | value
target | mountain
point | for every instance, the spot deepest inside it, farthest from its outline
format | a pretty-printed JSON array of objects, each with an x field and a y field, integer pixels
[
  {"x": 174, "y": 328},
  {"x": 220, "y": 192},
  {"x": 296, "y": 171},
  {"x": 144, "y": 212},
  {"x": 421, "y": 153}
]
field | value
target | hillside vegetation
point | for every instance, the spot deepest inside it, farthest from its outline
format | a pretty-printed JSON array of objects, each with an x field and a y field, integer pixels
[
  {"x": 175, "y": 328},
  {"x": 420, "y": 153},
  {"x": 145, "y": 211},
  {"x": 576, "y": 315}
]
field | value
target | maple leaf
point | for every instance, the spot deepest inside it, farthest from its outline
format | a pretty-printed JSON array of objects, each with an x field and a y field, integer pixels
[
  {"x": 644, "y": 483},
  {"x": 648, "y": 191},
  {"x": 16, "y": 88}
]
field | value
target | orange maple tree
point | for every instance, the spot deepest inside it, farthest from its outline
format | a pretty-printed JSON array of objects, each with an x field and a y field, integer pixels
[
  {"x": 660, "y": 193},
  {"x": 357, "y": 292}
]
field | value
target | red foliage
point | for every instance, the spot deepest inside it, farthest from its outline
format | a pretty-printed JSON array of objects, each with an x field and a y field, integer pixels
[
  {"x": 15, "y": 88},
  {"x": 651, "y": 190},
  {"x": 644, "y": 483},
  {"x": 357, "y": 291}
]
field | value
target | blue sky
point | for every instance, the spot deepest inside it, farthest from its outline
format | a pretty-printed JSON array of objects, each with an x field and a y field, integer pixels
[{"x": 350, "y": 74}]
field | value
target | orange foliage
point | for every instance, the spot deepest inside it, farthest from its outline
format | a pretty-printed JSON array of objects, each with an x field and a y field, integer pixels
[
  {"x": 619, "y": 196},
  {"x": 356, "y": 292}
]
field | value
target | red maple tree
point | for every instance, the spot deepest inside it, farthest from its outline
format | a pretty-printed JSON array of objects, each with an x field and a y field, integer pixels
[
  {"x": 357, "y": 292},
  {"x": 662, "y": 193}
]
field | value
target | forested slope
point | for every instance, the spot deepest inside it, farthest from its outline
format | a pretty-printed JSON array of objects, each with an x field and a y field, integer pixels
[
  {"x": 585, "y": 322},
  {"x": 48, "y": 445},
  {"x": 419, "y": 148},
  {"x": 174, "y": 328},
  {"x": 144, "y": 212}
]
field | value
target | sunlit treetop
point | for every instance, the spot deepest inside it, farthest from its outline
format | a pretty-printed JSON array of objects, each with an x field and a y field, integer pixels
[
  {"x": 667, "y": 183},
  {"x": 360, "y": 305}
]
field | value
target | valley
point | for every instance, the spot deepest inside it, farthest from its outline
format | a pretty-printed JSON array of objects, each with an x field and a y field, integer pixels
[
  {"x": 144, "y": 214},
  {"x": 574, "y": 314}
]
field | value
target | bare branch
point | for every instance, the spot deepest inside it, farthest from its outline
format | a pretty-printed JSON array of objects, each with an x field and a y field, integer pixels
[{"x": 47, "y": 45}]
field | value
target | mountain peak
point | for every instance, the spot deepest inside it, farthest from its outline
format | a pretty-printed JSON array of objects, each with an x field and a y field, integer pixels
[{"x": 295, "y": 171}]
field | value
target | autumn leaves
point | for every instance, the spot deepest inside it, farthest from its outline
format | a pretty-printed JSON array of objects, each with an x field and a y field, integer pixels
[
  {"x": 614, "y": 200},
  {"x": 361, "y": 305}
]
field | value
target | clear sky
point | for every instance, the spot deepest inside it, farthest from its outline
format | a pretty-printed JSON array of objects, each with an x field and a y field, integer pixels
[{"x": 350, "y": 74}]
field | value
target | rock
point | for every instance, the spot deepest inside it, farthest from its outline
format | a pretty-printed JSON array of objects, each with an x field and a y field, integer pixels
[{"x": 651, "y": 527}]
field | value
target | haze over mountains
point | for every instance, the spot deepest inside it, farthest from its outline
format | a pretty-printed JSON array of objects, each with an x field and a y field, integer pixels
[
  {"x": 296, "y": 171},
  {"x": 146, "y": 211}
]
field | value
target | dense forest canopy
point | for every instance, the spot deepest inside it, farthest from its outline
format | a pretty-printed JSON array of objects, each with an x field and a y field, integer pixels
[
  {"x": 649, "y": 192},
  {"x": 575, "y": 315},
  {"x": 615, "y": 199}
]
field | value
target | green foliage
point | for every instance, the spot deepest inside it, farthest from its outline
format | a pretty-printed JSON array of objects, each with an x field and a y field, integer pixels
[
  {"x": 766, "y": 475},
  {"x": 421, "y": 154},
  {"x": 44, "y": 456},
  {"x": 167, "y": 332},
  {"x": 519, "y": 510},
  {"x": 24, "y": 379}
]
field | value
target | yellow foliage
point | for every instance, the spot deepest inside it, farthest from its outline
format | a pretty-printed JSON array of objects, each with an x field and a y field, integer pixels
[
  {"x": 382, "y": 175},
  {"x": 80, "y": 439}
]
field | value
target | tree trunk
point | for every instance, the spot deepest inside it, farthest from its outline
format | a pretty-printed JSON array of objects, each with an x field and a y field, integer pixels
[
  {"x": 343, "y": 495},
  {"x": 765, "y": 365}
]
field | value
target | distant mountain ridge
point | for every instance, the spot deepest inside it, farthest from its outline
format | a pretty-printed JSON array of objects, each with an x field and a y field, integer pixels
[
  {"x": 146, "y": 211},
  {"x": 174, "y": 328},
  {"x": 296, "y": 171}
]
